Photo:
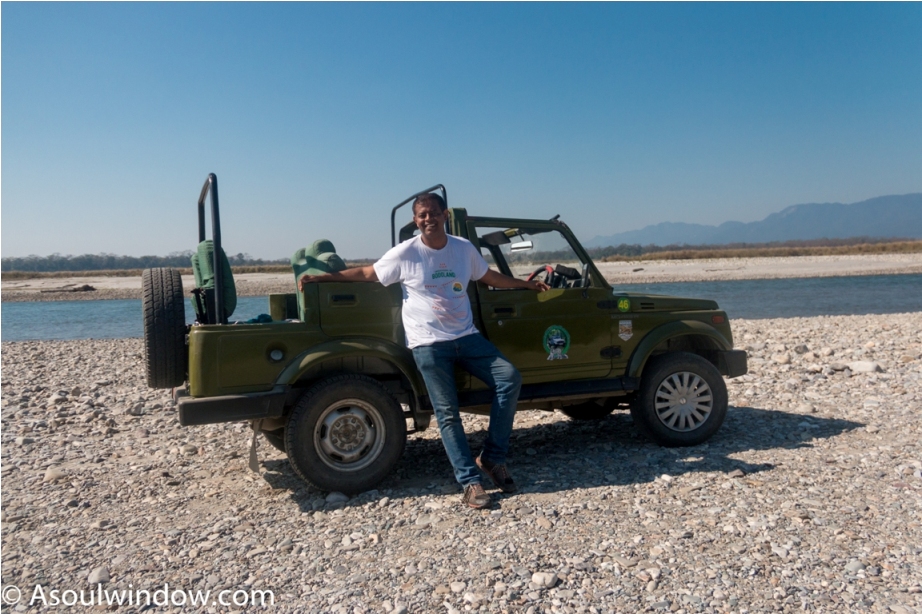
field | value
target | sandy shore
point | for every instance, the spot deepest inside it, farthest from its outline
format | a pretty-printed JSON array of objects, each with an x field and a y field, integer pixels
[
  {"x": 720, "y": 269},
  {"x": 640, "y": 272},
  {"x": 807, "y": 499},
  {"x": 63, "y": 288}
]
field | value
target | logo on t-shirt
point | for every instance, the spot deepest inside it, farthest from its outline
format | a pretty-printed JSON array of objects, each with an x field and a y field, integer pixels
[
  {"x": 457, "y": 288},
  {"x": 440, "y": 274}
]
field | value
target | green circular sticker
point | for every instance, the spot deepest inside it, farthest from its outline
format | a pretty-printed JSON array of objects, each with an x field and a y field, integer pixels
[
  {"x": 556, "y": 342},
  {"x": 624, "y": 304}
]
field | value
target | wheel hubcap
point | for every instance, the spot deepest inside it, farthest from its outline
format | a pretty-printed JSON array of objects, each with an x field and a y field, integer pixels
[
  {"x": 683, "y": 401},
  {"x": 349, "y": 435}
]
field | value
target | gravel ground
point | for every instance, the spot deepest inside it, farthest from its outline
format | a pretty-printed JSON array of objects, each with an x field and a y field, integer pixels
[{"x": 809, "y": 498}]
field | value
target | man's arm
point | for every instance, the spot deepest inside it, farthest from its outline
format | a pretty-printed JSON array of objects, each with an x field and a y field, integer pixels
[
  {"x": 498, "y": 280},
  {"x": 362, "y": 273}
]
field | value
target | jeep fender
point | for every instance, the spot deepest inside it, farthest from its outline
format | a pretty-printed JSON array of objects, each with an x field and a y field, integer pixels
[
  {"x": 399, "y": 357},
  {"x": 669, "y": 331}
]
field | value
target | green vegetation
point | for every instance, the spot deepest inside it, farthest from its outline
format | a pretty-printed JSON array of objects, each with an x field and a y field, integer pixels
[
  {"x": 183, "y": 270},
  {"x": 109, "y": 265},
  {"x": 111, "y": 262},
  {"x": 819, "y": 247}
]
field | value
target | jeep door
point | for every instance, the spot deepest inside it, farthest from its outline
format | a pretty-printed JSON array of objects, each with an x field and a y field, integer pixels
[{"x": 560, "y": 334}]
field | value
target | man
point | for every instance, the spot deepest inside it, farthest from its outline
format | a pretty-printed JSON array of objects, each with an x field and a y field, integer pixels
[{"x": 434, "y": 269}]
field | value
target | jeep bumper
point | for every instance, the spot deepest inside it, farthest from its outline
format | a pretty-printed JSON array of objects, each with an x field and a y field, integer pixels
[
  {"x": 732, "y": 363},
  {"x": 229, "y": 408}
]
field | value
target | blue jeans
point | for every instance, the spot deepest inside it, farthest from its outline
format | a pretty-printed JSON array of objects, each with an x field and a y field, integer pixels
[{"x": 481, "y": 359}]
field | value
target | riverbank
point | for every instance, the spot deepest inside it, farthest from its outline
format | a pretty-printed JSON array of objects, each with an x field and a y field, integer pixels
[
  {"x": 718, "y": 269},
  {"x": 112, "y": 288},
  {"x": 807, "y": 498}
]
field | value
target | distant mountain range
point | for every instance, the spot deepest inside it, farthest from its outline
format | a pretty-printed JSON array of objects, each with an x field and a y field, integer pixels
[{"x": 884, "y": 216}]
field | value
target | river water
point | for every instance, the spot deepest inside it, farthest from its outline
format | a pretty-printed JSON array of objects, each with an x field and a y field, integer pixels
[{"x": 749, "y": 299}]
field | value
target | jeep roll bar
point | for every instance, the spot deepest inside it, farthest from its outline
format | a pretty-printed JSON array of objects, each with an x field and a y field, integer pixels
[
  {"x": 211, "y": 184},
  {"x": 394, "y": 210}
]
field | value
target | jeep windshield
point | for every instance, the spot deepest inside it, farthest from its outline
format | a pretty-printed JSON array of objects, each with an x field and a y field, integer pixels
[{"x": 538, "y": 252}]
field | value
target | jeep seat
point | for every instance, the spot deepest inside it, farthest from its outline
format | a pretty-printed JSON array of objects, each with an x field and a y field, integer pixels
[
  {"x": 319, "y": 258},
  {"x": 203, "y": 269}
]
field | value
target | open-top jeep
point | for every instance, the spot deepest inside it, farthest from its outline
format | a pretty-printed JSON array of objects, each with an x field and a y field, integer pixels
[{"x": 329, "y": 379}]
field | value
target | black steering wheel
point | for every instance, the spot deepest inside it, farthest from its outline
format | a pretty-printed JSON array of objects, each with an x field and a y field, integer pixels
[{"x": 549, "y": 274}]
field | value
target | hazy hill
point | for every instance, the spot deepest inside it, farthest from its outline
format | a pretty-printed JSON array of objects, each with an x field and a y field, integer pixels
[{"x": 884, "y": 216}]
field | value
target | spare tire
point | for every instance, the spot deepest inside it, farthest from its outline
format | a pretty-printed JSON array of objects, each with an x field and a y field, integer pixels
[{"x": 164, "y": 327}]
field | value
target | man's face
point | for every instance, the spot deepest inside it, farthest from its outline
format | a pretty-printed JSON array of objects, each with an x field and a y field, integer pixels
[{"x": 430, "y": 219}]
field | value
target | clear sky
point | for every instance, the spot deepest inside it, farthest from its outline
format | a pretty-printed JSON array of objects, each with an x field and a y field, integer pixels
[{"x": 318, "y": 118}]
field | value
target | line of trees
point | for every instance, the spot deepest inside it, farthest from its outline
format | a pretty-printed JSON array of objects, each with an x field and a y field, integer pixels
[
  {"x": 639, "y": 250},
  {"x": 111, "y": 262},
  {"x": 626, "y": 250}
]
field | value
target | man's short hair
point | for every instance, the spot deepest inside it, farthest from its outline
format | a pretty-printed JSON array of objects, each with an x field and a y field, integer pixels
[{"x": 428, "y": 198}]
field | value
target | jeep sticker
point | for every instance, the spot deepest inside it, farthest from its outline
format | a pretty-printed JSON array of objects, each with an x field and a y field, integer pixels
[
  {"x": 556, "y": 343},
  {"x": 625, "y": 329},
  {"x": 624, "y": 304}
]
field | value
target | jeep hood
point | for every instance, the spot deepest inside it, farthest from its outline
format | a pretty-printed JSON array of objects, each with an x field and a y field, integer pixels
[{"x": 662, "y": 302}]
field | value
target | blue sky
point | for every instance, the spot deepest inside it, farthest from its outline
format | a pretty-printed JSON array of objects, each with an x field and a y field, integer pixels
[{"x": 318, "y": 118}]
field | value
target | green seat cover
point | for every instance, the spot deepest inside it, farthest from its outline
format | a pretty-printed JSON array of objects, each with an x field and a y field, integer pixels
[
  {"x": 203, "y": 269},
  {"x": 319, "y": 258}
]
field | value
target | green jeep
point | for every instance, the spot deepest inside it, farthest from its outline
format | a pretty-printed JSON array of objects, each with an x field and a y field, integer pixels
[{"x": 329, "y": 379}]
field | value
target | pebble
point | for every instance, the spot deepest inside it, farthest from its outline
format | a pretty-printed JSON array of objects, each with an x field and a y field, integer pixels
[
  {"x": 864, "y": 366},
  {"x": 855, "y": 566},
  {"x": 53, "y": 474},
  {"x": 544, "y": 579},
  {"x": 99, "y": 575},
  {"x": 624, "y": 561},
  {"x": 812, "y": 475}
]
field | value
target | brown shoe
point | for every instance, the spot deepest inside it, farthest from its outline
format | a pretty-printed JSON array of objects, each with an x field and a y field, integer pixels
[
  {"x": 476, "y": 497},
  {"x": 499, "y": 474}
]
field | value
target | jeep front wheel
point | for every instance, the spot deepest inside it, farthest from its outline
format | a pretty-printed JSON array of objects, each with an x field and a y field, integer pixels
[
  {"x": 682, "y": 400},
  {"x": 346, "y": 434}
]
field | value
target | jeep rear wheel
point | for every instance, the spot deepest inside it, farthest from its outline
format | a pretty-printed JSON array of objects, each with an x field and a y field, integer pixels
[
  {"x": 682, "y": 400},
  {"x": 346, "y": 434},
  {"x": 164, "y": 327}
]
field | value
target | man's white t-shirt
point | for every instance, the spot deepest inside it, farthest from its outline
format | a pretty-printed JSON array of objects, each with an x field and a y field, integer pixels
[{"x": 434, "y": 282}]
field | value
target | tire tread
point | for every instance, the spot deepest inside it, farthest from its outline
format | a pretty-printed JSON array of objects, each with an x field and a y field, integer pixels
[{"x": 164, "y": 327}]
